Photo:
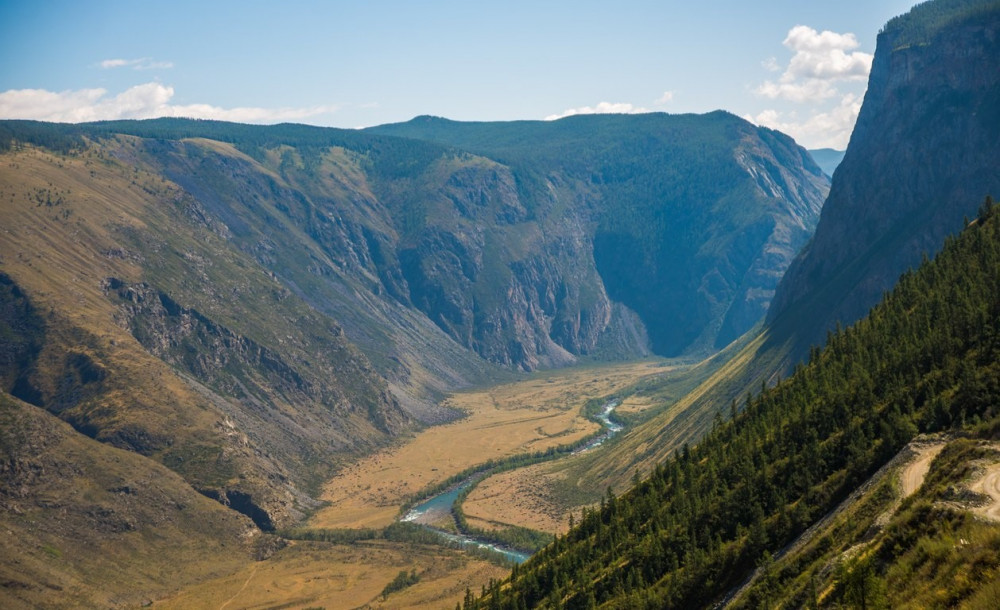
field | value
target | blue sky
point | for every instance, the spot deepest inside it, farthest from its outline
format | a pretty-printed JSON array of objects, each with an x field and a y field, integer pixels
[{"x": 797, "y": 66}]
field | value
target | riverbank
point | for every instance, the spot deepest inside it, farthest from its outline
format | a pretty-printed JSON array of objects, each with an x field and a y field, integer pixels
[
  {"x": 514, "y": 542},
  {"x": 525, "y": 417}
]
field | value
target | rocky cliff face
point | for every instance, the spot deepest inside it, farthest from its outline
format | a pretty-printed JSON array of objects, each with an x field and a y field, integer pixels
[
  {"x": 924, "y": 154},
  {"x": 530, "y": 244},
  {"x": 684, "y": 222}
]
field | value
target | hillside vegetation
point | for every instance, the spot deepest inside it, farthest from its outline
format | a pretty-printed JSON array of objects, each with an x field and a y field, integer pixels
[
  {"x": 924, "y": 360},
  {"x": 78, "y": 514}
]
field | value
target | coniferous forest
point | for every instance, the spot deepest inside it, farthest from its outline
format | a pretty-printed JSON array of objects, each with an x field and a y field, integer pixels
[{"x": 926, "y": 359}]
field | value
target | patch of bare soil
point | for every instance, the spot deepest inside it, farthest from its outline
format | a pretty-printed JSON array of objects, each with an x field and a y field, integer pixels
[
  {"x": 989, "y": 486},
  {"x": 914, "y": 473}
]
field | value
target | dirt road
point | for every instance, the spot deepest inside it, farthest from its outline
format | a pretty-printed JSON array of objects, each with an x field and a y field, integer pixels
[
  {"x": 989, "y": 485},
  {"x": 915, "y": 472}
]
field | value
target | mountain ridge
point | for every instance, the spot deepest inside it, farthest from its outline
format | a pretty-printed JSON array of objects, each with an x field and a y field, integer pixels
[
  {"x": 534, "y": 149},
  {"x": 255, "y": 307}
]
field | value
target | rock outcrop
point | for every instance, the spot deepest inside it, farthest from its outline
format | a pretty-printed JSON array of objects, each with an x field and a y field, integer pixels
[{"x": 923, "y": 155}]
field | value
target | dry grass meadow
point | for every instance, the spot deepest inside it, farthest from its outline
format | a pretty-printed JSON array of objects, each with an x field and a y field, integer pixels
[
  {"x": 521, "y": 417},
  {"x": 320, "y": 575}
]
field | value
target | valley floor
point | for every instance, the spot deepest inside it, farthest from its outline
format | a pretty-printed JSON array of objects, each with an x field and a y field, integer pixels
[
  {"x": 322, "y": 575},
  {"x": 546, "y": 410},
  {"x": 511, "y": 419}
]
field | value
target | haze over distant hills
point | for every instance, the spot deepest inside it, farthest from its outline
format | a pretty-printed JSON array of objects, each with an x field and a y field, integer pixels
[{"x": 827, "y": 159}]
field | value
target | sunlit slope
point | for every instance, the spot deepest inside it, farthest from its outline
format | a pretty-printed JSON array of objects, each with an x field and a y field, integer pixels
[
  {"x": 144, "y": 328},
  {"x": 89, "y": 525}
]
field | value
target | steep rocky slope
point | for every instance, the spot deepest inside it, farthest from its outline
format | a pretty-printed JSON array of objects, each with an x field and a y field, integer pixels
[
  {"x": 591, "y": 236},
  {"x": 687, "y": 221},
  {"x": 923, "y": 155},
  {"x": 126, "y": 315}
]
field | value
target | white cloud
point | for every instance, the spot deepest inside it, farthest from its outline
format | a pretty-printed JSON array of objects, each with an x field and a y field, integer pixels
[
  {"x": 825, "y": 78},
  {"x": 822, "y": 129},
  {"x": 824, "y": 55},
  {"x": 811, "y": 90},
  {"x": 819, "y": 60},
  {"x": 601, "y": 108},
  {"x": 667, "y": 97},
  {"x": 143, "y": 63},
  {"x": 145, "y": 101},
  {"x": 114, "y": 63}
]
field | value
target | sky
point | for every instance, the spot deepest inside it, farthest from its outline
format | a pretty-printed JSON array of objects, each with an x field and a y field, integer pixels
[{"x": 797, "y": 66}]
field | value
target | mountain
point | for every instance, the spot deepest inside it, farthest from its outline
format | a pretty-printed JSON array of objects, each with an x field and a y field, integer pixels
[
  {"x": 571, "y": 238},
  {"x": 739, "y": 518},
  {"x": 128, "y": 313},
  {"x": 88, "y": 525},
  {"x": 242, "y": 310},
  {"x": 907, "y": 180},
  {"x": 688, "y": 221},
  {"x": 922, "y": 155},
  {"x": 927, "y": 359},
  {"x": 827, "y": 159}
]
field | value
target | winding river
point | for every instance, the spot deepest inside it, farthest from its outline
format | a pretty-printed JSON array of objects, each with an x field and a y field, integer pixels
[{"x": 439, "y": 506}]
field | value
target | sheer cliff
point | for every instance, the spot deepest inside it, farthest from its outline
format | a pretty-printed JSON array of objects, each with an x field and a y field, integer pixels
[
  {"x": 687, "y": 221},
  {"x": 923, "y": 155}
]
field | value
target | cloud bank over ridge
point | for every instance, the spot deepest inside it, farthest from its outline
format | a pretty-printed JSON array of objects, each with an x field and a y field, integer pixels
[
  {"x": 821, "y": 64},
  {"x": 145, "y": 101}
]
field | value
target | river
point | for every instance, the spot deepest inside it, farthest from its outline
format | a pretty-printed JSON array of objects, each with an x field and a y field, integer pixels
[{"x": 439, "y": 506}]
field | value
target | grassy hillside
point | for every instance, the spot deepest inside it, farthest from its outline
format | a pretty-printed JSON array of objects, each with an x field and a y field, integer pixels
[
  {"x": 133, "y": 318},
  {"x": 924, "y": 360},
  {"x": 88, "y": 525}
]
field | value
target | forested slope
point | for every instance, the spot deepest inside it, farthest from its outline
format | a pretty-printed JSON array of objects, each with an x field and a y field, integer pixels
[{"x": 926, "y": 359}]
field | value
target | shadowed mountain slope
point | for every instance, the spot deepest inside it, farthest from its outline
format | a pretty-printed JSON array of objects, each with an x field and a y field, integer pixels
[
  {"x": 923, "y": 155},
  {"x": 692, "y": 218}
]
